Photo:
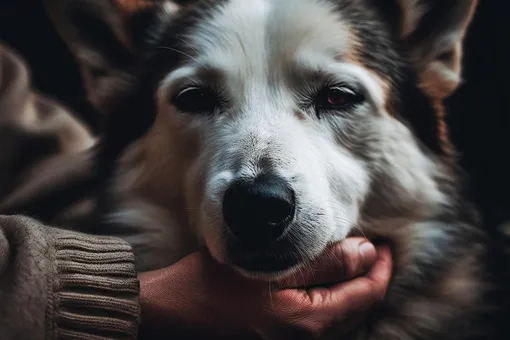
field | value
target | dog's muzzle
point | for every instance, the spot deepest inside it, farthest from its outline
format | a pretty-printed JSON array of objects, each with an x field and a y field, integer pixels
[{"x": 259, "y": 211}]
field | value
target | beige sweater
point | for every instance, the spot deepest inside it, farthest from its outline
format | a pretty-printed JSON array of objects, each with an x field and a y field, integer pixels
[{"x": 54, "y": 283}]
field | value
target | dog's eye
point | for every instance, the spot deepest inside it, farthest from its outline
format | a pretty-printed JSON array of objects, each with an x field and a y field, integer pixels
[
  {"x": 338, "y": 98},
  {"x": 196, "y": 100}
]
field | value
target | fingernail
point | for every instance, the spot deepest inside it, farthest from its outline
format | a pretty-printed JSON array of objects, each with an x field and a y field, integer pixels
[{"x": 368, "y": 254}]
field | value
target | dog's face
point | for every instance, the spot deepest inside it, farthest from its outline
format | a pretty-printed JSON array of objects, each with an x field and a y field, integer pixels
[
  {"x": 280, "y": 126},
  {"x": 272, "y": 94}
]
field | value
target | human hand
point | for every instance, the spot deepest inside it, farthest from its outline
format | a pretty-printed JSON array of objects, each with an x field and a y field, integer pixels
[{"x": 198, "y": 297}]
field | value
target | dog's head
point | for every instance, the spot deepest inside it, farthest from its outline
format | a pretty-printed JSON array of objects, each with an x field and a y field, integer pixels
[{"x": 274, "y": 127}]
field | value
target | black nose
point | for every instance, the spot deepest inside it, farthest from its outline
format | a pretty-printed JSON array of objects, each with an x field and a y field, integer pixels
[{"x": 259, "y": 210}]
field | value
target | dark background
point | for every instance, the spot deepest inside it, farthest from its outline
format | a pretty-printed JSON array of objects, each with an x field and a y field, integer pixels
[{"x": 479, "y": 113}]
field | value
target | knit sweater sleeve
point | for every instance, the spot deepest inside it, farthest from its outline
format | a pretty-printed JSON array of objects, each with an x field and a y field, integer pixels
[{"x": 58, "y": 284}]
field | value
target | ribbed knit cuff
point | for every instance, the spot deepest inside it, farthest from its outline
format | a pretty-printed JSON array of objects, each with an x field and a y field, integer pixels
[{"x": 96, "y": 288}]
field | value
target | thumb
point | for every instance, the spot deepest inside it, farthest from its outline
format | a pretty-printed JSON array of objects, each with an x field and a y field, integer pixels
[{"x": 340, "y": 262}]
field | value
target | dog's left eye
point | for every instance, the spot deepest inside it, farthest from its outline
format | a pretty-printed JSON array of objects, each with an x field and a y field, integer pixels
[
  {"x": 196, "y": 100},
  {"x": 338, "y": 98}
]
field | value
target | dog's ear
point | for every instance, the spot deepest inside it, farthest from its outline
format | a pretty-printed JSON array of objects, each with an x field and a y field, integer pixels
[
  {"x": 433, "y": 32},
  {"x": 106, "y": 37}
]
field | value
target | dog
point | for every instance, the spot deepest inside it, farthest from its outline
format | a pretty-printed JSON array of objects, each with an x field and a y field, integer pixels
[{"x": 265, "y": 130}]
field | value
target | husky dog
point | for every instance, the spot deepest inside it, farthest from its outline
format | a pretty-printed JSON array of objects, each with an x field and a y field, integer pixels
[{"x": 265, "y": 130}]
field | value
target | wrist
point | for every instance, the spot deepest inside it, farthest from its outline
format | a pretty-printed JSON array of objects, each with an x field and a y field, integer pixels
[
  {"x": 170, "y": 301},
  {"x": 182, "y": 299}
]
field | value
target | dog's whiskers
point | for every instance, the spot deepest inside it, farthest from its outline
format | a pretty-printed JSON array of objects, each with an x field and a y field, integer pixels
[
  {"x": 357, "y": 227},
  {"x": 178, "y": 51},
  {"x": 187, "y": 43}
]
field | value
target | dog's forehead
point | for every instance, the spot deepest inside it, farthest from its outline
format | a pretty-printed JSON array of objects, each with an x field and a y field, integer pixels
[{"x": 266, "y": 33}]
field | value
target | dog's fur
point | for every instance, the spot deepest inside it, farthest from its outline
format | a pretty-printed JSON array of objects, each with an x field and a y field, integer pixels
[{"x": 383, "y": 168}]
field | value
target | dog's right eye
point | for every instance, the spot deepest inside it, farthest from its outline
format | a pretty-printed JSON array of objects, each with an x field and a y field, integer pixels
[{"x": 196, "y": 100}]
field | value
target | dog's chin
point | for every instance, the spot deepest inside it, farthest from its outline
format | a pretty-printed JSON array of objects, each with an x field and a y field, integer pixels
[
  {"x": 265, "y": 260},
  {"x": 259, "y": 272},
  {"x": 260, "y": 265},
  {"x": 266, "y": 267},
  {"x": 269, "y": 276}
]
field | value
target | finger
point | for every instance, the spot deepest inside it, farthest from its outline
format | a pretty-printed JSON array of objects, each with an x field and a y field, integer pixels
[
  {"x": 360, "y": 294},
  {"x": 341, "y": 261},
  {"x": 381, "y": 274}
]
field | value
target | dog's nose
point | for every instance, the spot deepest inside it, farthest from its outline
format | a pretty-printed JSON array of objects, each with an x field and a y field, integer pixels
[{"x": 259, "y": 210}]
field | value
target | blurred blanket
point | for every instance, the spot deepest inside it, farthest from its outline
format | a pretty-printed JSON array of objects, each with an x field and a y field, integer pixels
[{"x": 45, "y": 151}]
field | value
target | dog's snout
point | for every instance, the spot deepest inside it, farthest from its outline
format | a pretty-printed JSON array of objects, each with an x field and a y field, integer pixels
[{"x": 259, "y": 210}]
